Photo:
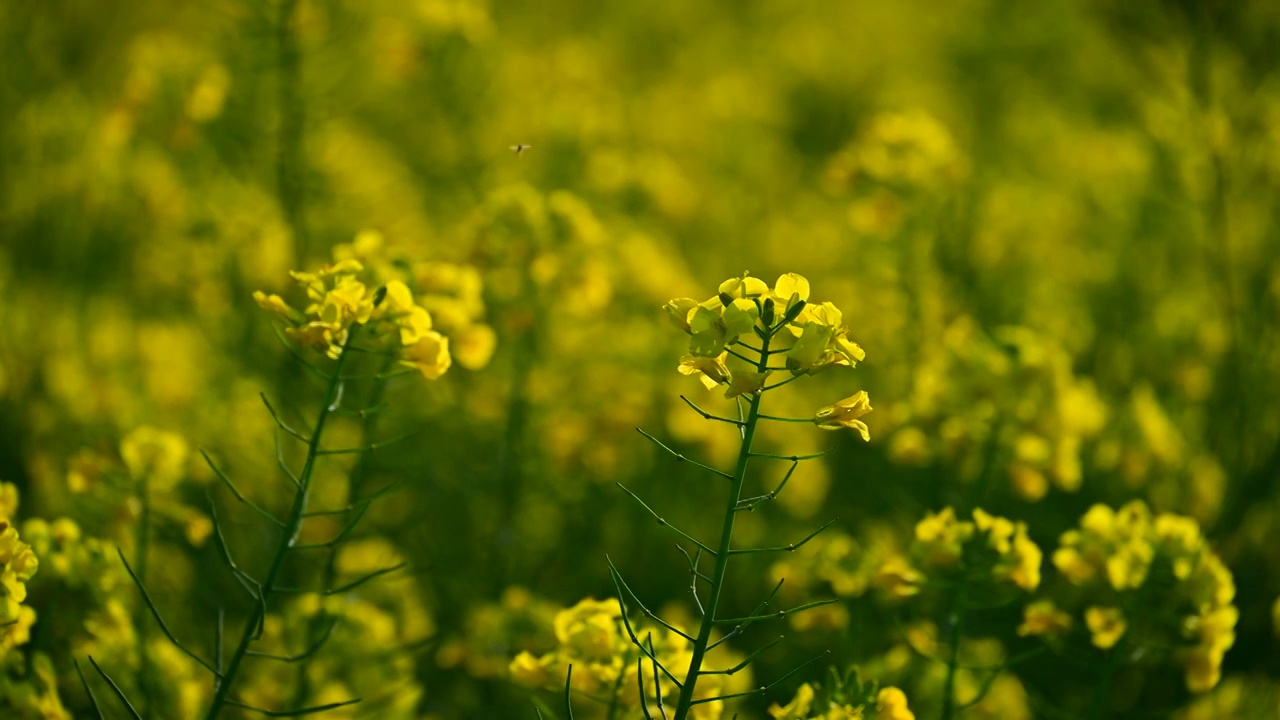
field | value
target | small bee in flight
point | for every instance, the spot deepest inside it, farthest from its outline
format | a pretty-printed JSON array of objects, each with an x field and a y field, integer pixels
[{"x": 519, "y": 149}]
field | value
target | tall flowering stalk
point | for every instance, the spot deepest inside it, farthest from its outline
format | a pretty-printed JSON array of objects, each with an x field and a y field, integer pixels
[
  {"x": 807, "y": 338},
  {"x": 343, "y": 318}
]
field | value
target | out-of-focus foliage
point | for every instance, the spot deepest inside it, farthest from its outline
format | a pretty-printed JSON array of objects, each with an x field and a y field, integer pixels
[{"x": 1052, "y": 226}]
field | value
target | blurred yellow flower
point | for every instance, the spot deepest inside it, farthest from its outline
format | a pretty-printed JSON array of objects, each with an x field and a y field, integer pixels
[
  {"x": 1107, "y": 626},
  {"x": 891, "y": 704},
  {"x": 526, "y": 669},
  {"x": 158, "y": 456},
  {"x": 590, "y": 628},
  {"x": 897, "y": 578},
  {"x": 798, "y": 708},
  {"x": 1042, "y": 617}
]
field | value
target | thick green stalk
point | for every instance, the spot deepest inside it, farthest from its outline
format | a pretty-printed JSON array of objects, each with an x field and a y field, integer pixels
[
  {"x": 726, "y": 541},
  {"x": 953, "y": 661},
  {"x": 287, "y": 536}
]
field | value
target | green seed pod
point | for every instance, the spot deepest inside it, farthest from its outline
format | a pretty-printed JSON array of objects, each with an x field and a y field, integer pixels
[{"x": 794, "y": 311}]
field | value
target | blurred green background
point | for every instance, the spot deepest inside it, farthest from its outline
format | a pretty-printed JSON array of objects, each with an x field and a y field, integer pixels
[{"x": 1053, "y": 227}]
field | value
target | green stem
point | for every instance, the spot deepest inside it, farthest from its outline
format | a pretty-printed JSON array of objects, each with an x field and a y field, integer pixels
[
  {"x": 355, "y": 490},
  {"x": 1100, "y": 696},
  {"x": 726, "y": 540},
  {"x": 287, "y": 536},
  {"x": 614, "y": 701},
  {"x": 953, "y": 660}
]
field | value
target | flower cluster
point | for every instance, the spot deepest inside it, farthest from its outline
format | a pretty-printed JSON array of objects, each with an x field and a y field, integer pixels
[
  {"x": 1156, "y": 584},
  {"x": 452, "y": 293},
  {"x": 848, "y": 700},
  {"x": 815, "y": 339},
  {"x": 745, "y": 303},
  {"x": 591, "y": 637},
  {"x": 987, "y": 548},
  {"x": 1012, "y": 388},
  {"x": 17, "y": 564},
  {"x": 340, "y": 301},
  {"x": 157, "y": 456}
]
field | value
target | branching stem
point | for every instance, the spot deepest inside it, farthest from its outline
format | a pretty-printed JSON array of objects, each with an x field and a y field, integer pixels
[
  {"x": 293, "y": 524},
  {"x": 712, "y": 604}
]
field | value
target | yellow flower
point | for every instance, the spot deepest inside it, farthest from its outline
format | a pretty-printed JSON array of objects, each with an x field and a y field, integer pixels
[
  {"x": 590, "y": 628},
  {"x": 798, "y": 708},
  {"x": 1099, "y": 520},
  {"x": 276, "y": 305},
  {"x": 529, "y": 670},
  {"x": 1106, "y": 624},
  {"x": 473, "y": 346},
  {"x": 710, "y": 371},
  {"x": 810, "y": 348},
  {"x": 1179, "y": 533},
  {"x": 1027, "y": 558},
  {"x": 822, "y": 341},
  {"x": 891, "y": 704},
  {"x": 679, "y": 310},
  {"x": 157, "y": 455},
  {"x": 999, "y": 530},
  {"x": 897, "y": 578},
  {"x": 1128, "y": 564},
  {"x": 1204, "y": 669},
  {"x": 937, "y": 527},
  {"x": 745, "y": 382},
  {"x": 319, "y": 336},
  {"x": 791, "y": 289},
  {"x": 846, "y": 413},
  {"x": 413, "y": 321},
  {"x": 347, "y": 303},
  {"x": 8, "y": 500},
  {"x": 714, "y": 326},
  {"x": 17, "y": 564},
  {"x": 743, "y": 287},
  {"x": 430, "y": 355},
  {"x": 1215, "y": 632},
  {"x": 1042, "y": 617},
  {"x": 1070, "y": 562}
]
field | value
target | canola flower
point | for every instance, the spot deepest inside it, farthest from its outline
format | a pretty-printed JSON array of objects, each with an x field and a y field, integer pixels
[
  {"x": 1060, "y": 225},
  {"x": 17, "y": 566},
  {"x": 848, "y": 699},
  {"x": 808, "y": 337},
  {"x": 1155, "y": 583},
  {"x": 985, "y": 557},
  {"x": 592, "y": 638},
  {"x": 987, "y": 549},
  {"x": 341, "y": 309},
  {"x": 339, "y": 301}
]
